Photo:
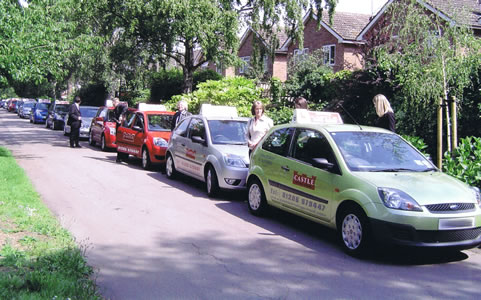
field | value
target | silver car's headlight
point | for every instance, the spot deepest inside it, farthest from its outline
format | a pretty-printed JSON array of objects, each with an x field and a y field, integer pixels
[
  {"x": 397, "y": 199},
  {"x": 234, "y": 161},
  {"x": 160, "y": 142},
  {"x": 477, "y": 195}
]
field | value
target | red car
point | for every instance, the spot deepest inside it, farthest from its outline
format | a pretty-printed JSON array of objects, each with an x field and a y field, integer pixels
[
  {"x": 145, "y": 134},
  {"x": 102, "y": 129}
]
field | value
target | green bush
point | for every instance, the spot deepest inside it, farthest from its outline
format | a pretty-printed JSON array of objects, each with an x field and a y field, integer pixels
[
  {"x": 464, "y": 162},
  {"x": 418, "y": 143},
  {"x": 233, "y": 91}
]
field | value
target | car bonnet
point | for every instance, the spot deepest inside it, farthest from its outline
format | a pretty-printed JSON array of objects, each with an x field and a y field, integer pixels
[{"x": 424, "y": 187}]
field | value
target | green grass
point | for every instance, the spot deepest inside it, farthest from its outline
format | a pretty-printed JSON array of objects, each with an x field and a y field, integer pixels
[{"x": 38, "y": 258}]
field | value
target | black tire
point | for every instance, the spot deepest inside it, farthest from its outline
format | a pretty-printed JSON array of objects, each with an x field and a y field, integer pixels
[
  {"x": 103, "y": 145},
  {"x": 170, "y": 171},
  {"x": 91, "y": 140},
  {"x": 353, "y": 229},
  {"x": 256, "y": 199},
  {"x": 53, "y": 126},
  {"x": 146, "y": 163},
  {"x": 211, "y": 182}
]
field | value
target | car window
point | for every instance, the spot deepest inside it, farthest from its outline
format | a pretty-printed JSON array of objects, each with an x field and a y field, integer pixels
[
  {"x": 278, "y": 141},
  {"x": 182, "y": 128},
  {"x": 375, "y": 151},
  {"x": 129, "y": 118},
  {"x": 230, "y": 132},
  {"x": 61, "y": 108},
  {"x": 310, "y": 144},
  {"x": 139, "y": 121},
  {"x": 87, "y": 112},
  {"x": 159, "y": 122},
  {"x": 197, "y": 128}
]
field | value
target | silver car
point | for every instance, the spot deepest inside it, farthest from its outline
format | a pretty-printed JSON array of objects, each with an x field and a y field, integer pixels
[
  {"x": 212, "y": 149},
  {"x": 87, "y": 113}
]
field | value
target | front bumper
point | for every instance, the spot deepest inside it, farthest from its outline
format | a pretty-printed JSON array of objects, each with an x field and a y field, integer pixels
[
  {"x": 407, "y": 235},
  {"x": 237, "y": 175}
]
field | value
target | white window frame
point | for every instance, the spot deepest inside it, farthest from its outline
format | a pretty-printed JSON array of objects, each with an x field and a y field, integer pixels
[
  {"x": 329, "y": 52},
  {"x": 245, "y": 66},
  {"x": 300, "y": 54}
]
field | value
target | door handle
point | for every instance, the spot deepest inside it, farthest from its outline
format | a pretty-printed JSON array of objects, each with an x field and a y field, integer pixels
[
  {"x": 183, "y": 145},
  {"x": 285, "y": 168}
]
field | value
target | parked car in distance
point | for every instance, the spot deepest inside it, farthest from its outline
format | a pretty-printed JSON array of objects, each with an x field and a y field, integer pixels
[
  {"x": 367, "y": 183},
  {"x": 211, "y": 147},
  {"x": 56, "y": 114},
  {"x": 87, "y": 113},
  {"x": 39, "y": 111},
  {"x": 26, "y": 109},
  {"x": 145, "y": 134},
  {"x": 12, "y": 105}
]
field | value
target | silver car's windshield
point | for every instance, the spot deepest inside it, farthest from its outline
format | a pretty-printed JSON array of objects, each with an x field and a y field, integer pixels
[
  {"x": 88, "y": 112},
  {"x": 379, "y": 152},
  {"x": 228, "y": 132}
]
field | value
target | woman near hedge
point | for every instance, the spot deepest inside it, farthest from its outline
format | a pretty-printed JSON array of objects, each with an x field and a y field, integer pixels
[
  {"x": 258, "y": 125},
  {"x": 385, "y": 113}
]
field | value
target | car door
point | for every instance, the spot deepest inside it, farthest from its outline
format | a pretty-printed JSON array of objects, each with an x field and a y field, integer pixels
[
  {"x": 125, "y": 135},
  {"x": 97, "y": 124},
  {"x": 310, "y": 187},
  {"x": 194, "y": 156}
]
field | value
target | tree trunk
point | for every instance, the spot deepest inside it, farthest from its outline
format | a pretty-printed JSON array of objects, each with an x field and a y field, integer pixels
[
  {"x": 188, "y": 69},
  {"x": 440, "y": 135},
  {"x": 454, "y": 128}
]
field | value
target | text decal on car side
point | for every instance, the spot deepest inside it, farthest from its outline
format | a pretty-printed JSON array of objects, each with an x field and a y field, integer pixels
[{"x": 304, "y": 181}]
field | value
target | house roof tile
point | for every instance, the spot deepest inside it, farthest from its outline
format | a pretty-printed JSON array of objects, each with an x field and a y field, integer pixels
[{"x": 347, "y": 25}]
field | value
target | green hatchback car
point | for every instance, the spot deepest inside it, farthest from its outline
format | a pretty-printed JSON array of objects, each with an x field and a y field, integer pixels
[{"x": 367, "y": 183}]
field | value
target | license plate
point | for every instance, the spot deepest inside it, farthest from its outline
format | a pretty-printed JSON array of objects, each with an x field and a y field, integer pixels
[{"x": 458, "y": 223}]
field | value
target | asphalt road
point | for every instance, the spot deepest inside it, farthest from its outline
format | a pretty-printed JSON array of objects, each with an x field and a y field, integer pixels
[{"x": 152, "y": 238}]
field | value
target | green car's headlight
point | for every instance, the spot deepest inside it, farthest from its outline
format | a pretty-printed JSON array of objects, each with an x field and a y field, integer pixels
[
  {"x": 397, "y": 199},
  {"x": 477, "y": 195},
  {"x": 234, "y": 161}
]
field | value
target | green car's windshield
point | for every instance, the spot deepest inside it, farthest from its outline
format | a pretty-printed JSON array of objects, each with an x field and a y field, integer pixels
[
  {"x": 379, "y": 152},
  {"x": 159, "y": 122},
  {"x": 228, "y": 132}
]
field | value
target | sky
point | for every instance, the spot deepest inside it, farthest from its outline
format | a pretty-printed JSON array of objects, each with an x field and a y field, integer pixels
[{"x": 360, "y": 6}]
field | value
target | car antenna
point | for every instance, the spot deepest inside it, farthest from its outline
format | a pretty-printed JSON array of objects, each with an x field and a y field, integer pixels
[{"x": 350, "y": 116}]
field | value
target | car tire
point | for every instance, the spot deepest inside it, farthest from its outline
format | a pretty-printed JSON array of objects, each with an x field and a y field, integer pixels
[
  {"x": 211, "y": 182},
  {"x": 91, "y": 139},
  {"x": 256, "y": 198},
  {"x": 103, "y": 144},
  {"x": 353, "y": 230},
  {"x": 146, "y": 164},
  {"x": 170, "y": 171},
  {"x": 31, "y": 121},
  {"x": 53, "y": 126}
]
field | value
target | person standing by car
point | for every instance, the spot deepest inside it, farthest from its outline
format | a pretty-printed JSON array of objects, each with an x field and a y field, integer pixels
[
  {"x": 385, "y": 113},
  {"x": 75, "y": 120},
  {"x": 299, "y": 103},
  {"x": 119, "y": 111},
  {"x": 257, "y": 126},
  {"x": 181, "y": 113}
]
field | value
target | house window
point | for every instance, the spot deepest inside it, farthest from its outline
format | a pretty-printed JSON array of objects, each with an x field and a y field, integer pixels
[
  {"x": 219, "y": 69},
  {"x": 245, "y": 66},
  {"x": 300, "y": 54},
  {"x": 329, "y": 53}
]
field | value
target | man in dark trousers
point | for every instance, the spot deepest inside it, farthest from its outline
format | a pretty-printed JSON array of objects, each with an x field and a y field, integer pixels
[{"x": 75, "y": 120}]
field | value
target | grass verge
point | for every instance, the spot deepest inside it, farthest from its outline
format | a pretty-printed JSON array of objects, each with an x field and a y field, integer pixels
[{"x": 38, "y": 258}]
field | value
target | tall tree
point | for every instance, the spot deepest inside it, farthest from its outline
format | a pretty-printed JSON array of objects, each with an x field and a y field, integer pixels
[{"x": 432, "y": 58}]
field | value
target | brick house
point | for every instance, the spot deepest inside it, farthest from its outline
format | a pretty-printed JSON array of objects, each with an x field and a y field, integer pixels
[
  {"x": 338, "y": 40},
  {"x": 466, "y": 12}
]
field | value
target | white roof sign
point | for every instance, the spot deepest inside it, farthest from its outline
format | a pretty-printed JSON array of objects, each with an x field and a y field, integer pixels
[
  {"x": 316, "y": 117},
  {"x": 152, "y": 107},
  {"x": 210, "y": 110}
]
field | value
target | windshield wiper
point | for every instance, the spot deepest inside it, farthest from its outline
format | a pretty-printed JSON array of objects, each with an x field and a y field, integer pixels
[
  {"x": 429, "y": 170},
  {"x": 394, "y": 170}
]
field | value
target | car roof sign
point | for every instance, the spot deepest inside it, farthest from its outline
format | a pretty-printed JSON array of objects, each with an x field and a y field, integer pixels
[
  {"x": 210, "y": 110},
  {"x": 316, "y": 117},
  {"x": 151, "y": 107}
]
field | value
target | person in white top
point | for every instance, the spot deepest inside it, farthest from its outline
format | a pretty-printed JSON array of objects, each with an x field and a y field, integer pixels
[{"x": 258, "y": 125}]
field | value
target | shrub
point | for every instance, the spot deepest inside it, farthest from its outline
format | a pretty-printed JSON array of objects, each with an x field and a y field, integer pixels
[
  {"x": 464, "y": 162},
  {"x": 234, "y": 91}
]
